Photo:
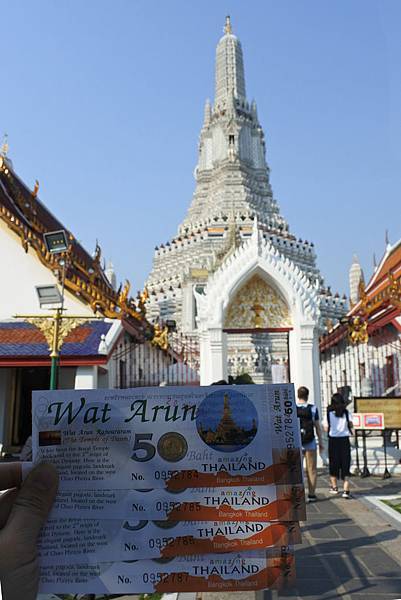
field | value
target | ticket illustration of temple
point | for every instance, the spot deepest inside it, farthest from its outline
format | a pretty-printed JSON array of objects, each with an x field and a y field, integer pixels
[{"x": 223, "y": 430}]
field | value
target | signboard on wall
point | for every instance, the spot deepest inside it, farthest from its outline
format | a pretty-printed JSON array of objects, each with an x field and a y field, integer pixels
[{"x": 390, "y": 407}]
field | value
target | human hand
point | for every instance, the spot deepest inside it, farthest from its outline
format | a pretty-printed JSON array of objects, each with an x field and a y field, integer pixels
[
  {"x": 321, "y": 447},
  {"x": 22, "y": 514}
]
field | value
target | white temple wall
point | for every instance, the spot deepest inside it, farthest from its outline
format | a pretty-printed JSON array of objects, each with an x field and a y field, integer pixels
[
  {"x": 245, "y": 143},
  {"x": 207, "y": 153},
  {"x": 86, "y": 378},
  {"x": 23, "y": 271},
  {"x": 219, "y": 144}
]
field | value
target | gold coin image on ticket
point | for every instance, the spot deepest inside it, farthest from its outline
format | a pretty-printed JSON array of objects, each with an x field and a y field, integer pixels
[{"x": 172, "y": 446}]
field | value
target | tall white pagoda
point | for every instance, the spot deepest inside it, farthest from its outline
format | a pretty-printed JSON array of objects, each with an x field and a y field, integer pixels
[{"x": 234, "y": 276}]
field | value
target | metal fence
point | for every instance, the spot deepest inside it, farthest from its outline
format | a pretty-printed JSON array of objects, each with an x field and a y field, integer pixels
[
  {"x": 144, "y": 364},
  {"x": 371, "y": 369}
]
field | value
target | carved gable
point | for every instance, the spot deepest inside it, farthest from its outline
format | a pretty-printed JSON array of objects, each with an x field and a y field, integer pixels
[{"x": 257, "y": 305}]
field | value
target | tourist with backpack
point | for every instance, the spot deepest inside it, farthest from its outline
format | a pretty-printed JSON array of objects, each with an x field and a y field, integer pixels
[
  {"x": 339, "y": 427},
  {"x": 309, "y": 423}
]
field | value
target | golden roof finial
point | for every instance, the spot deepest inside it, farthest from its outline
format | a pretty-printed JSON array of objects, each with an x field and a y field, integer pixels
[
  {"x": 35, "y": 189},
  {"x": 4, "y": 146},
  {"x": 227, "y": 27}
]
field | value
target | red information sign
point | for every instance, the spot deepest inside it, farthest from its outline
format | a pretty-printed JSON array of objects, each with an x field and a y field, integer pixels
[{"x": 368, "y": 420}]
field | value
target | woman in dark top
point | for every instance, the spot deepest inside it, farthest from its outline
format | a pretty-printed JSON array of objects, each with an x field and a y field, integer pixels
[{"x": 339, "y": 425}]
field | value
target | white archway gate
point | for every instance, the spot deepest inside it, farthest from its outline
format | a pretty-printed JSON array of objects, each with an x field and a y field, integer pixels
[{"x": 258, "y": 257}]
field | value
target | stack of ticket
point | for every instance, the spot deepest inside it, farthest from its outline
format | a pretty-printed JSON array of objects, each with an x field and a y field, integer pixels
[{"x": 170, "y": 489}]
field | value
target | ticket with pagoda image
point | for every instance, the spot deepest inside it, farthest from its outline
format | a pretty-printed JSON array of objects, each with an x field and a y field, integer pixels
[
  {"x": 248, "y": 503},
  {"x": 169, "y": 437},
  {"x": 273, "y": 568},
  {"x": 63, "y": 541}
]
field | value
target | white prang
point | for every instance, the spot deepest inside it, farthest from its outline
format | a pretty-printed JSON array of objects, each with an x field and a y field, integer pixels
[
  {"x": 234, "y": 224},
  {"x": 356, "y": 277}
]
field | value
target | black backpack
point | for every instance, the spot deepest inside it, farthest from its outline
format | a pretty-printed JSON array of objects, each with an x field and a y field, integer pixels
[{"x": 306, "y": 422}]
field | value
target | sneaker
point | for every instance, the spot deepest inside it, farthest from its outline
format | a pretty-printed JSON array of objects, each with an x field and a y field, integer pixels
[
  {"x": 312, "y": 498},
  {"x": 346, "y": 495},
  {"x": 333, "y": 490}
]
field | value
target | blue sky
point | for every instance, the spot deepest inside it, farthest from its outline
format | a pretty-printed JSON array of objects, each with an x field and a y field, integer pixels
[{"x": 103, "y": 103}]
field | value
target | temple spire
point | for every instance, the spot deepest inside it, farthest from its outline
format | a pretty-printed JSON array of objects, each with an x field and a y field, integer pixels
[
  {"x": 230, "y": 78},
  {"x": 355, "y": 279}
]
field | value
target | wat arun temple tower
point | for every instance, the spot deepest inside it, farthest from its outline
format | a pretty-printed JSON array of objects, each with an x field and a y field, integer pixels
[{"x": 234, "y": 277}]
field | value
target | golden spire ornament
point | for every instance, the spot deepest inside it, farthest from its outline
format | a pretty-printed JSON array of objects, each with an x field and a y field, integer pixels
[
  {"x": 35, "y": 189},
  {"x": 4, "y": 146},
  {"x": 227, "y": 27}
]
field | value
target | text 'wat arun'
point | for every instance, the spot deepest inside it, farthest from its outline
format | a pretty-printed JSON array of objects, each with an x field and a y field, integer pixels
[{"x": 233, "y": 208}]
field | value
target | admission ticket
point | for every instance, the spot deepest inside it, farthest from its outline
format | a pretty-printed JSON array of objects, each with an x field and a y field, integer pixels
[
  {"x": 211, "y": 572},
  {"x": 173, "y": 437},
  {"x": 66, "y": 541},
  {"x": 249, "y": 503}
]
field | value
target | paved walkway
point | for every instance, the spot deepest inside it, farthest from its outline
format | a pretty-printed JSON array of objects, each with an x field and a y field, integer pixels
[{"x": 351, "y": 550}]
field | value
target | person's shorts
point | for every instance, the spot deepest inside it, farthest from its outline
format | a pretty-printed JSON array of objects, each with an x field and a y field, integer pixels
[{"x": 339, "y": 457}]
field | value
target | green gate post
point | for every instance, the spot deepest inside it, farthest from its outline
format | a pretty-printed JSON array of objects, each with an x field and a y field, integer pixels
[{"x": 55, "y": 353}]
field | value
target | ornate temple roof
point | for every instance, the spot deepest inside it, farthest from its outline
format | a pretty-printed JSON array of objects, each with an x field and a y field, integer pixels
[
  {"x": 389, "y": 264},
  {"x": 379, "y": 302},
  {"x": 23, "y": 212},
  {"x": 21, "y": 340}
]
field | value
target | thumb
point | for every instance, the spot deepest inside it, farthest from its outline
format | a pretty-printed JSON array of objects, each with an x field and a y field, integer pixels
[
  {"x": 19, "y": 569},
  {"x": 33, "y": 502}
]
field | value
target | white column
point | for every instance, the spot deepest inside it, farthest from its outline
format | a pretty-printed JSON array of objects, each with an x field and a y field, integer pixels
[
  {"x": 213, "y": 355},
  {"x": 218, "y": 356},
  {"x": 316, "y": 391},
  {"x": 204, "y": 351},
  {"x": 304, "y": 360},
  {"x": 86, "y": 378},
  {"x": 187, "y": 308}
]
